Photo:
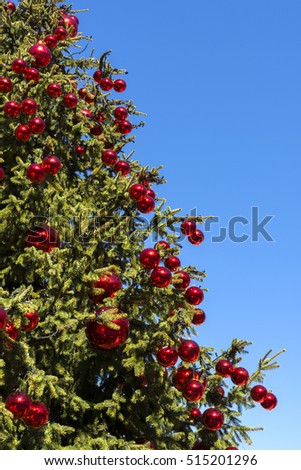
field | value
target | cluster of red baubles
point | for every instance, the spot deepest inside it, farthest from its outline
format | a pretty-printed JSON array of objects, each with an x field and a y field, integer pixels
[
  {"x": 42, "y": 237},
  {"x": 161, "y": 277},
  {"x": 189, "y": 229},
  {"x": 31, "y": 320},
  {"x": 37, "y": 172},
  {"x": 110, "y": 159},
  {"x": 33, "y": 413},
  {"x": 144, "y": 197}
]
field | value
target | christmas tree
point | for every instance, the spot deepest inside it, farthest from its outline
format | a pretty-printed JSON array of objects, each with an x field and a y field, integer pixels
[{"x": 96, "y": 311}]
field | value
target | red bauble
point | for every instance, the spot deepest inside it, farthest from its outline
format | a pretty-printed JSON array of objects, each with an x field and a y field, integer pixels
[
  {"x": 181, "y": 280},
  {"x": 97, "y": 76},
  {"x": 18, "y": 403},
  {"x": 106, "y": 84},
  {"x": 23, "y": 133},
  {"x": 37, "y": 415},
  {"x": 36, "y": 125},
  {"x": 162, "y": 245},
  {"x": 6, "y": 85},
  {"x": 224, "y": 368},
  {"x": 90, "y": 99},
  {"x": 109, "y": 157},
  {"x": 82, "y": 92},
  {"x": 193, "y": 390},
  {"x": 2, "y": 174},
  {"x": 29, "y": 107},
  {"x": 87, "y": 113},
  {"x": 189, "y": 351},
  {"x": 70, "y": 24},
  {"x": 123, "y": 126},
  {"x": 270, "y": 401},
  {"x": 149, "y": 258},
  {"x": 258, "y": 393},
  {"x": 103, "y": 337},
  {"x": 151, "y": 193},
  {"x": 199, "y": 317},
  {"x": 110, "y": 283},
  {"x": 54, "y": 90},
  {"x": 121, "y": 113},
  {"x": 197, "y": 238},
  {"x": 11, "y": 331},
  {"x": 43, "y": 238},
  {"x": 181, "y": 376},
  {"x": 123, "y": 167},
  {"x": 161, "y": 277},
  {"x": 18, "y": 66},
  {"x": 200, "y": 446},
  {"x": 96, "y": 130},
  {"x": 51, "y": 165},
  {"x": 32, "y": 74},
  {"x": 195, "y": 414},
  {"x": 167, "y": 356},
  {"x": 188, "y": 227},
  {"x": 70, "y": 100},
  {"x": 137, "y": 192},
  {"x": 80, "y": 150},
  {"x": 213, "y": 419},
  {"x": 3, "y": 319},
  {"x": 194, "y": 295},
  {"x": 35, "y": 173},
  {"x": 146, "y": 205},
  {"x": 12, "y": 109},
  {"x": 32, "y": 321},
  {"x": 41, "y": 54},
  {"x": 60, "y": 34},
  {"x": 10, "y": 6},
  {"x": 172, "y": 263},
  {"x": 119, "y": 85},
  {"x": 99, "y": 117},
  {"x": 50, "y": 41},
  {"x": 74, "y": 18},
  {"x": 239, "y": 376}
]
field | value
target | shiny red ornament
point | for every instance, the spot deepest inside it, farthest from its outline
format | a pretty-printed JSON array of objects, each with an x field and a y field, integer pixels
[
  {"x": 199, "y": 317},
  {"x": 60, "y": 33},
  {"x": 194, "y": 295},
  {"x": 80, "y": 150},
  {"x": 106, "y": 84},
  {"x": 212, "y": 419},
  {"x": 122, "y": 167},
  {"x": 11, "y": 331},
  {"x": 32, "y": 320},
  {"x": 36, "y": 125},
  {"x": 99, "y": 117},
  {"x": 188, "y": 227},
  {"x": 12, "y": 109},
  {"x": 18, "y": 403},
  {"x": 258, "y": 393},
  {"x": 137, "y": 192},
  {"x": 109, "y": 157},
  {"x": 3, "y": 319},
  {"x": 193, "y": 390},
  {"x": 96, "y": 130},
  {"x": 35, "y": 173},
  {"x": 162, "y": 245},
  {"x": 74, "y": 18},
  {"x": 82, "y": 92},
  {"x": 70, "y": 100},
  {"x": 161, "y": 277},
  {"x": 10, "y": 6},
  {"x": 121, "y": 113},
  {"x": 197, "y": 238},
  {"x": 70, "y": 24},
  {"x": 6, "y": 85},
  {"x": 2, "y": 174},
  {"x": 119, "y": 85},
  {"x": 123, "y": 126},
  {"x": 181, "y": 376},
  {"x": 200, "y": 446},
  {"x": 41, "y": 54},
  {"x": 43, "y": 238},
  {"x": 89, "y": 98},
  {"x": 50, "y": 41},
  {"x": 173, "y": 263},
  {"x": 52, "y": 165},
  {"x": 270, "y": 401},
  {"x": 32, "y": 74},
  {"x": 195, "y": 414},
  {"x": 23, "y": 133},
  {"x": 103, "y": 337},
  {"x": 97, "y": 76},
  {"x": 54, "y": 90},
  {"x": 110, "y": 283},
  {"x": 146, "y": 205},
  {"x": 224, "y": 368},
  {"x": 87, "y": 113},
  {"x": 37, "y": 415},
  {"x": 29, "y": 107},
  {"x": 239, "y": 376},
  {"x": 149, "y": 258},
  {"x": 189, "y": 351},
  {"x": 150, "y": 192},
  {"x": 181, "y": 280},
  {"x": 18, "y": 66},
  {"x": 167, "y": 356}
]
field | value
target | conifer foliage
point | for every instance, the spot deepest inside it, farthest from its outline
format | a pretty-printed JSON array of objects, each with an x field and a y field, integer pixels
[{"x": 97, "y": 314}]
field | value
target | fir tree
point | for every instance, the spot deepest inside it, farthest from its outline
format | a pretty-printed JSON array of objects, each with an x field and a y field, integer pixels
[{"x": 95, "y": 321}]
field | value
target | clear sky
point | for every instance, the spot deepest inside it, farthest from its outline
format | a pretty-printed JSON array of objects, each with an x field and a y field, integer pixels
[{"x": 220, "y": 83}]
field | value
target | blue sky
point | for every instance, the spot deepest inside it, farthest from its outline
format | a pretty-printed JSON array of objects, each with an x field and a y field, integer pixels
[{"x": 220, "y": 83}]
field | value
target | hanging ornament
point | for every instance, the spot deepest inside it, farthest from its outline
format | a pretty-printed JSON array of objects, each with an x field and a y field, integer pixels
[
  {"x": 32, "y": 74},
  {"x": 137, "y": 192},
  {"x": 3, "y": 319},
  {"x": 54, "y": 90},
  {"x": 6, "y": 85},
  {"x": 70, "y": 24},
  {"x": 195, "y": 414},
  {"x": 189, "y": 351},
  {"x": 51, "y": 165},
  {"x": 162, "y": 245},
  {"x": 199, "y": 317},
  {"x": 60, "y": 33},
  {"x": 43, "y": 238},
  {"x": 2, "y": 174},
  {"x": 193, "y": 390},
  {"x": 109, "y": 157},
  {"x": 11, "y": 331},
  {"x": 12, "y": 109},
  {"x": 35, "y": 173},
  {"x": 146, "y": 205},
  {"x": 258, "y": 393},
  {"x": 122, "y": 167},
  {"x": 181, "y": 376},
  {"x": 173, "y": 263},
  {"x": 103, "y": 337},
  {"x": 97, "y": 76},
  {"x": 194, "y": 295},
  {"x": 224, "y": 368},
  {"x": 29, "y": 107},
  {"x": 22, "y": 133},
  {"x": 37, "y": 415},
  {"x": 18, "y": 403},
  {"x": 161, "y": 277},
  {"x": 239, "y": 376},
  {"x": 270, "y": 401},
  {"x": 123, "y": 126},
  {"x": 213, "y": 419},
  {"x": 32, "y": 320},
  {"x": 196, "y": 238},
  {"x": 10, "y": 6},
  {"x": 18, "y": 66},
  {"x": 80, "y": 150},
  {"x": 50, "y": 41},
  {"x": 181, "y": 280},
  {"x": 110, "y": 283},
  {"x": 120, "y": 113},
  {"x": 149, "y": 258},
  {"x": 70, "y": 100},
  {"x": 119, "y": 85},
  {"x": 167, "y": 356},
  {"x": 36, "y": 125},
  {"x": 188, "y": 227},
  {"x": 106, "y": 84},
  {"x": 41, "y": 54}
]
